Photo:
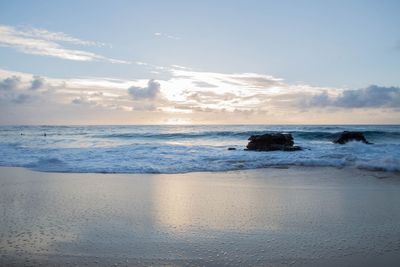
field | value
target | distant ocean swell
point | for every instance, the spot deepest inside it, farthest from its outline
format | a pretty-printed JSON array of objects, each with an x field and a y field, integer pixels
[
  {"x": 179, "y": 149},
  {"x": 246, "y": 134}
]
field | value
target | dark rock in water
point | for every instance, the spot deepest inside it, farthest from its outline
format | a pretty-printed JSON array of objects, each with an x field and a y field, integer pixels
[
  {"x": 347, "y": 136},
  {"x": 272, "y": 142},
  {"x": 231, "y": 148}
]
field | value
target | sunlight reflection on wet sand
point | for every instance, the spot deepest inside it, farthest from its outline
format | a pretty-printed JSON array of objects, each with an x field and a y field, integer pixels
[{"x": 257, "y": 217}]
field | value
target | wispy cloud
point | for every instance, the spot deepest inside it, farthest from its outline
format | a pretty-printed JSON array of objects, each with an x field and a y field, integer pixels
[
  {"x": 57, "y": 36},
  {"x": 169, "y": 36},
  {"x": 45, "y": 43}
]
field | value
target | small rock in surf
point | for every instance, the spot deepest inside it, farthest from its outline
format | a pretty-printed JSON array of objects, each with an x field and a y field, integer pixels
[
  {"x": 272, "y": 142},
  {"x": 347, "y": 136}
]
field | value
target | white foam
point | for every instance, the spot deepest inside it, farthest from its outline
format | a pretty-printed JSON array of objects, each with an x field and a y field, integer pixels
[{"x": 71, "y": 149}]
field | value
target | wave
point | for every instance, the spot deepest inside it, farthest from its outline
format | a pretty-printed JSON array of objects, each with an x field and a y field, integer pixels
[
  {"x": 163, "y": 158},
  {"x": 307, "y": 135},
  {"x": 47, "y": 164},
  {"x": 150, "y": 149}
]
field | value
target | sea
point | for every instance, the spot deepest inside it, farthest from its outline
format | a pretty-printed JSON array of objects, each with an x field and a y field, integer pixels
[{"x": 190, "y": 148}]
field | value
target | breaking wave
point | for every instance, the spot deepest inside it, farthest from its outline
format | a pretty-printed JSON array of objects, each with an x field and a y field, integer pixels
[{"x": 179, "y": 149}]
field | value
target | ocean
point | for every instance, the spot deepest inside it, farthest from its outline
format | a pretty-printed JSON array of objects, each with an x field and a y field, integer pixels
[{"x": 190, "y": 148}]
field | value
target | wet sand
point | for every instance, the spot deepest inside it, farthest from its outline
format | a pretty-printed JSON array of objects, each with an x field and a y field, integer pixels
[{"x": 268, "y": 217}]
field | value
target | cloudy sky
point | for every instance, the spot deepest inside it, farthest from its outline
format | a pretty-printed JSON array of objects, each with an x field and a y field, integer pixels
[{"x": 187, "y": 62}]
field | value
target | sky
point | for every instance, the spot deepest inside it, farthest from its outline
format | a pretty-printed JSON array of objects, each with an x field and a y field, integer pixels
[{"x": 199, "y": 62}]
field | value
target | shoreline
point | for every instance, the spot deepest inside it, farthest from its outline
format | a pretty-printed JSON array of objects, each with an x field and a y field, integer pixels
[
  {"x": 380, "y": 172},
  {"x": 296, "y": 216}
]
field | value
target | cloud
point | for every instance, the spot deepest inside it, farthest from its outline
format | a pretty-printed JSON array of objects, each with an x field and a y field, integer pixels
[
  {"x": 10, "y": 83},
  {"x": 223, "y": 91},
  {"x": 256, "y": 80},
  {"x": 12, "y": 90},
  {"x": 45, "y": 43},
  {"x": 82, "y": 100},
  {"x": 58, "y": 36},
  {"x": 258, "y": 92},
  {"x": 370, "y": 97},
  {"x": 22, "y": 98},
  {"x": 174, "y": 66},
  {"x": 184, "y": 96},
  {"x": 14, "y": 83},
  {"x": 151, "y": 91},
  {"x": 236, "y": 80},
  {"x": 159, "y": 34},
  {"x": 204, "y": 84},
  {"x": 37, "y": 83},
  {"x": 144, "y": 107}
]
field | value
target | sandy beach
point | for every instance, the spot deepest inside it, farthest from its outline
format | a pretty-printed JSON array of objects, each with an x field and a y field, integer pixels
[
  {"x": 199, "y": 133},
  {"x": 297, "y": 216}
]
